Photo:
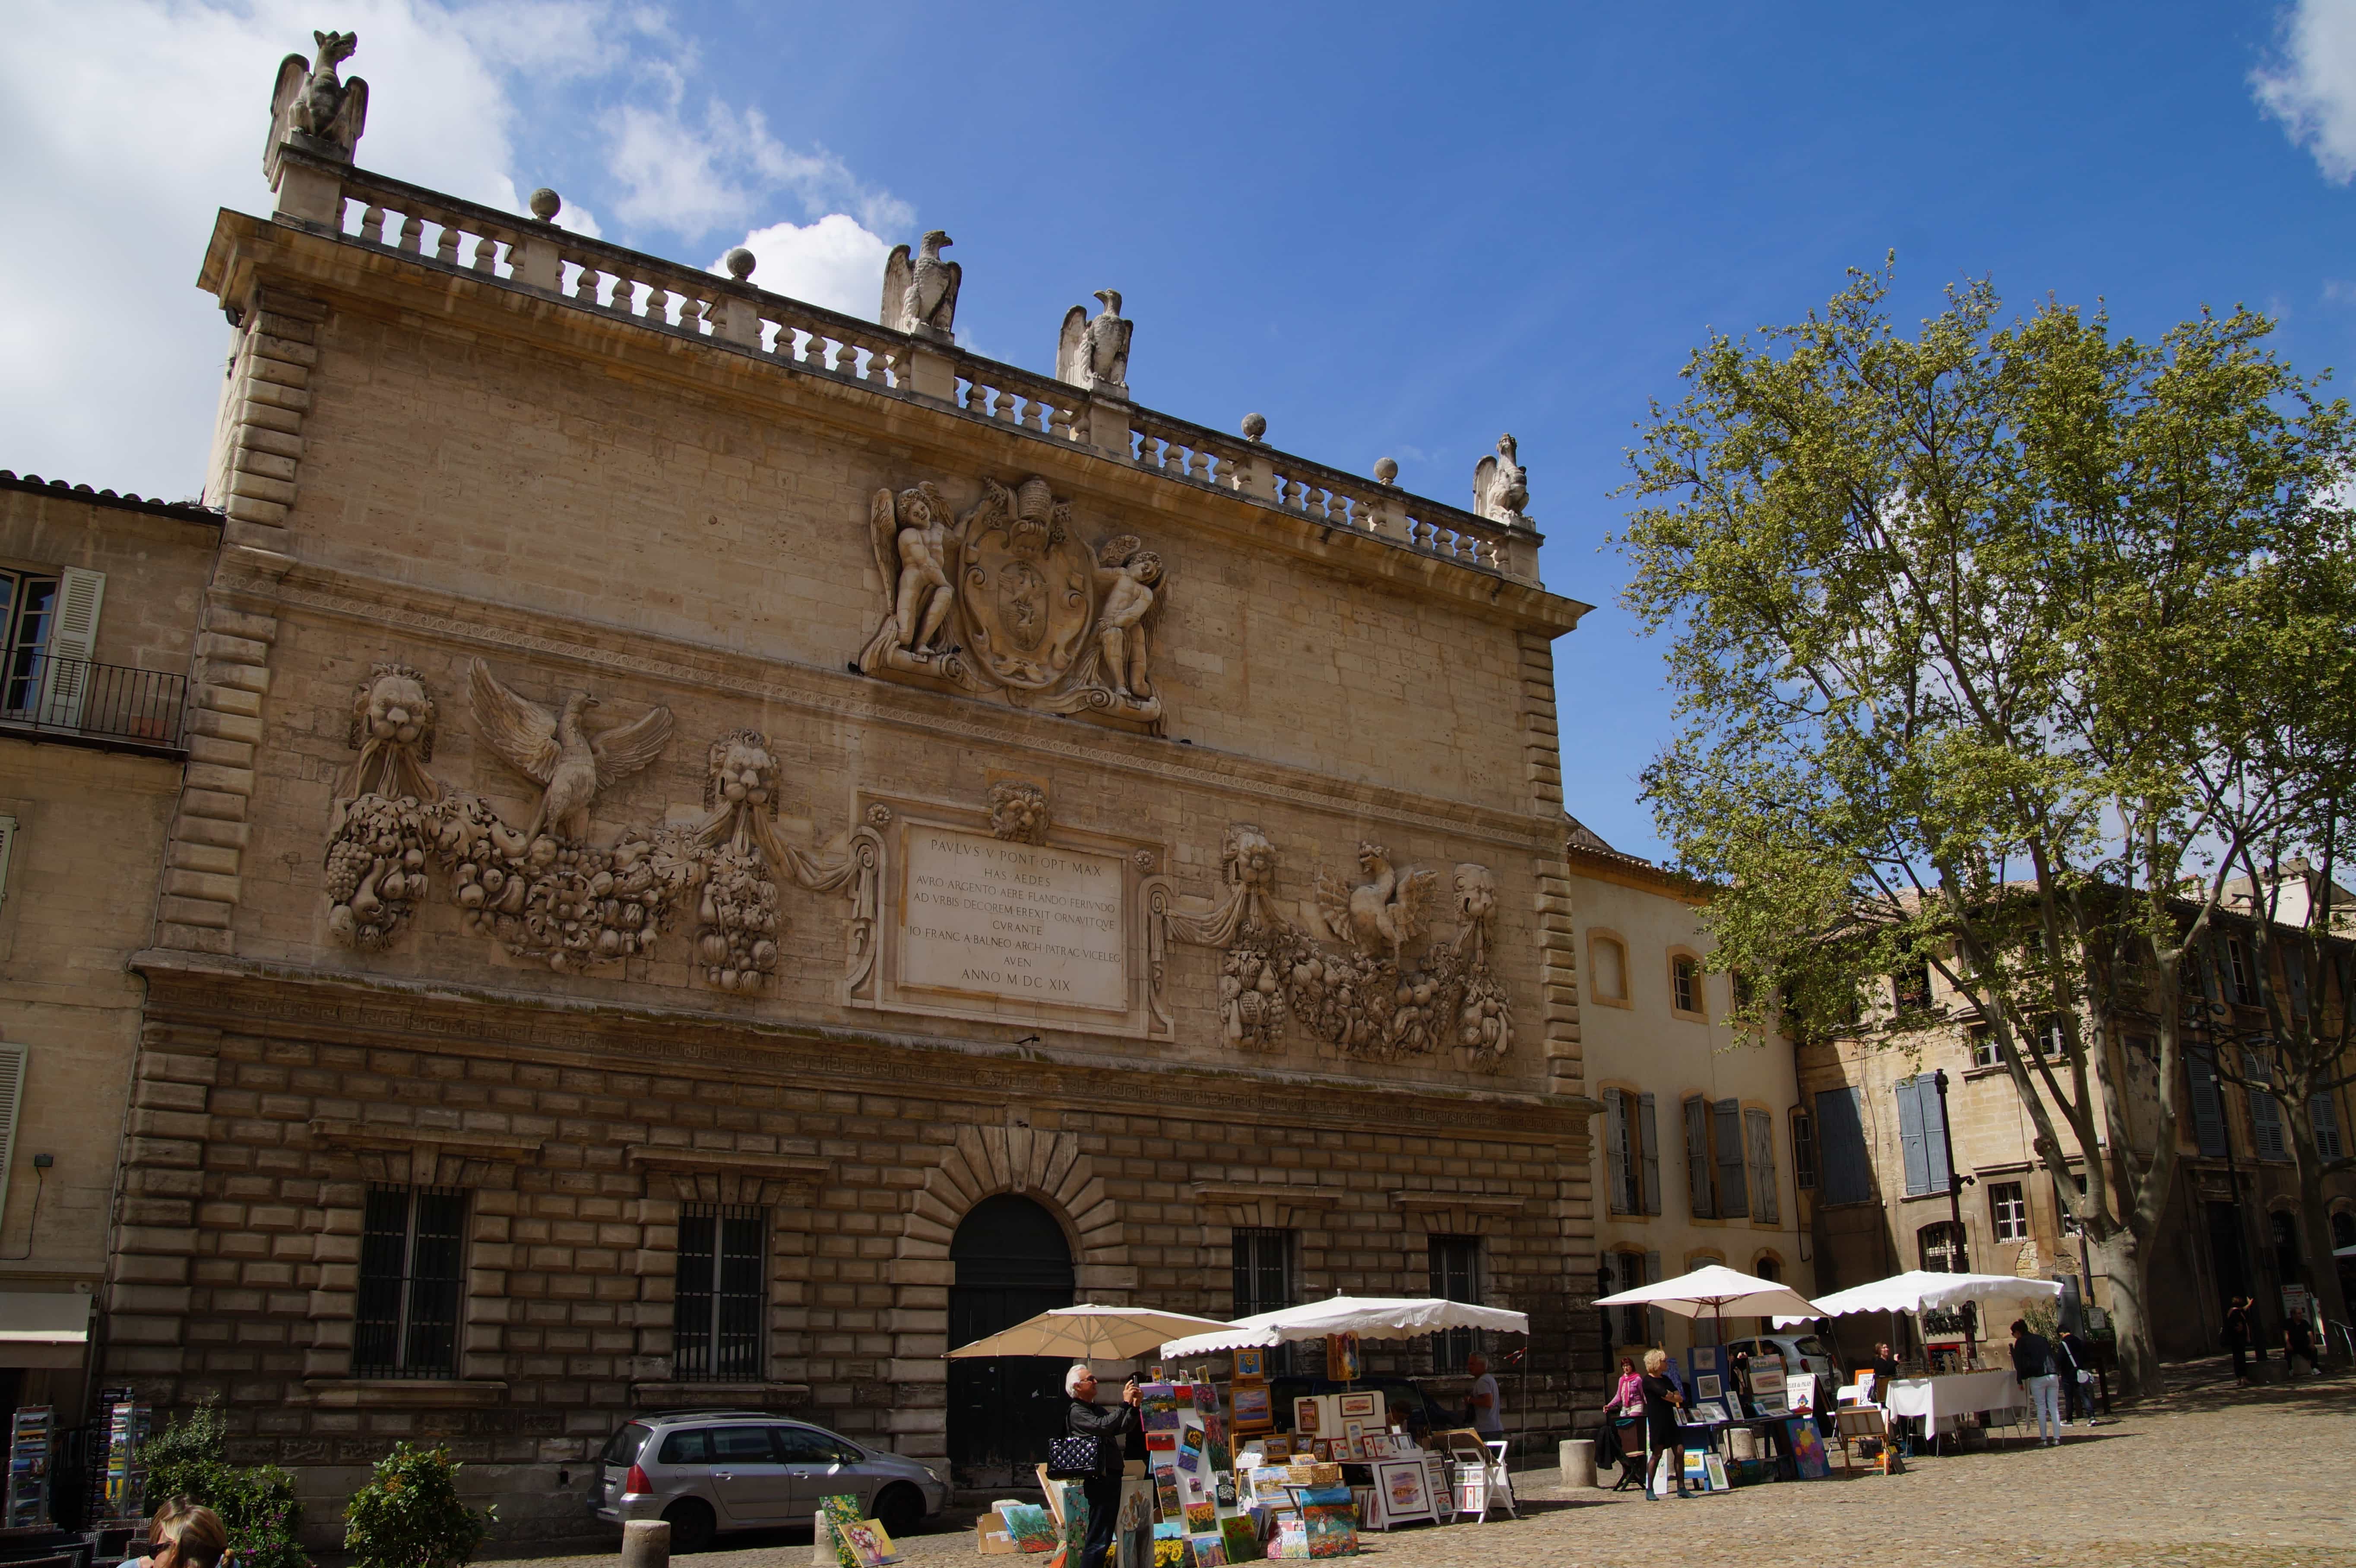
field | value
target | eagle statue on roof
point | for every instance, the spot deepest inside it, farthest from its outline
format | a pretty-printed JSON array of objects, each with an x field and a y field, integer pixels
[
  {"x": 311, "y": 101},
  {"x": 920, "y": 292},
  {"x": 1095, "y": 352},
  {"x": 1501, "y": 486},
  {"x": 556, "y": 750}
]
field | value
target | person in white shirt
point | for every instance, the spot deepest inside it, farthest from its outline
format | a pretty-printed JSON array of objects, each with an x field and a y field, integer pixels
[{"x": 1487, "y": 1405}]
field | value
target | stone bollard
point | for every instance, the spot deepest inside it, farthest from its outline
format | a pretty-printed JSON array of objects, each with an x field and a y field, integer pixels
[
  {"x": 645, "y": 1543},
  {"x": 1577, "y": 1459}
]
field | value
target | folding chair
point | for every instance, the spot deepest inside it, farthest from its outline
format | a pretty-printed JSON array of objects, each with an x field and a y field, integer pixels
[{"x": 1501, "y": 1476}]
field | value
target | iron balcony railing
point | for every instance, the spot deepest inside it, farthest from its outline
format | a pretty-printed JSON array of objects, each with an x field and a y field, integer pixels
[{"x": 108, "y": 702}]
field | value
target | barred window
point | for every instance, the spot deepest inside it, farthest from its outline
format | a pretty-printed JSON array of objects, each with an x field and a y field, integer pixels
[
  {"x": 1455, "y": 1270},
  {"x": 412, "y": 1266},
  {"x": 722, "y": 1294}
]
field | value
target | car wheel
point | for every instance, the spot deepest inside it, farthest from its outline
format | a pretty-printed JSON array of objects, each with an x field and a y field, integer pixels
[
  {"x": 691, "y": 1526},
  {"x": 900, "y": 1511}
]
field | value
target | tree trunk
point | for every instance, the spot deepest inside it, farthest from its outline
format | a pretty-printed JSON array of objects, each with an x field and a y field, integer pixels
[
  {"x": 2315, "y": 1219},
  {"x": 2120, "y": 1256}
]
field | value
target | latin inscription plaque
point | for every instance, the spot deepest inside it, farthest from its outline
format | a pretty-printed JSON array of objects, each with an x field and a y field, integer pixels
[{"x": 1020, "y": 923}]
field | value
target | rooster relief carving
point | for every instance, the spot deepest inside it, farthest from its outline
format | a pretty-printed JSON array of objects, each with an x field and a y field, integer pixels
[
  {"x": 558, "y": 751},
  {"x": 1380, "y": 917}
]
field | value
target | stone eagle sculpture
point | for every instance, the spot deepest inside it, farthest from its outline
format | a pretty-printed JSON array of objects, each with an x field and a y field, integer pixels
[
  {"x": 554, "y": 749},
  {"x": 1501, "y": 486},
  {"x": 1095, "y": 352},
  {"x": 920, "y": 293},
  {"x": 311, "y": 101},
  {"x": 1381, "y": 916}
]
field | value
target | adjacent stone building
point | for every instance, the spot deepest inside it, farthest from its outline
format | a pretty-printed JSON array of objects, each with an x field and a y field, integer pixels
[
  {"x": 1693, "y": 1157},
  {"x": 747, "y": 847},
  {"x": 99, "y": 597}
]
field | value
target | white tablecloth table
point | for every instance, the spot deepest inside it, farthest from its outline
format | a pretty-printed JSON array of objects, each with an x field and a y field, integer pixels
[{"x": 1943, "y": 1399}]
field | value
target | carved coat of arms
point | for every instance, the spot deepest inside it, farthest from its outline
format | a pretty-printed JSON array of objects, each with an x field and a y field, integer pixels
[{"x": 1009, "y": 599}]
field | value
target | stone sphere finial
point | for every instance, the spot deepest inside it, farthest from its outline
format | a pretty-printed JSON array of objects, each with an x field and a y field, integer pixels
[
  {"x": 1254, "y": 426},
  {"x": 739, "y": 262},
  {"x": 1386, "y": 470},
  {"x": 546, "y": 204}
]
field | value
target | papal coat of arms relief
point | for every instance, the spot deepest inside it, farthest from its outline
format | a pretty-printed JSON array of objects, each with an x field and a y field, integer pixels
[{"x": 1009, "y": 599}]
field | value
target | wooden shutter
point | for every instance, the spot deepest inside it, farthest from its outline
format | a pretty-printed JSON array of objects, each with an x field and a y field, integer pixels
[
  {"x": 1615, "y": 1149},
  {"x": 1759, "y": 1131},
  {"x": 2207, "y": 1106},
  {"x": 1934, "y": 1133},
  {"x": 1698, "y": 1161},
  {"x": 73, "y": 642},
  {"x": 1843, "y": 1167},
  {"x": 1910, "y": 1139},
  {"x": 12, "y": 1099},
  {"x": 1649, "y": 1136},
  {"x": 2265, "y": 1111},
  {"x": 1733, "y": 1200},
  {"x": 2325, "y": 1117}
]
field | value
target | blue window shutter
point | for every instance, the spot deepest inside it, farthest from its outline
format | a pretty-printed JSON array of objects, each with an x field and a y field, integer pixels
[
  {"x": 1910, "y": 1140},
  {"x": 1844, "y": 1169},
  {"x": 1733, "y": 1193},
  {"x": 2324, "y": 1115},
  {"x": 1649, "y": 1131},
  {"x": 1615, "y": 1150},
  {"x": 1934, "y": 1133},
  {"x": 1697, "y": 1158},
  {"x": 2208, "y": 1106}
]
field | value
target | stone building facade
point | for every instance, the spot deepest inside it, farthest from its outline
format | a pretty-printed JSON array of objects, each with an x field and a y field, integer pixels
[
  {"x": 730, "y": 797},
  {"x": 99, "y": 597},
  {"x": 1692, "y": 1163}
]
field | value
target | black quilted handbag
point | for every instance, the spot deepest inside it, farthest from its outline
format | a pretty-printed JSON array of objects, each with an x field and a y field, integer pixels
[{"x": 1073, "y": 1458}]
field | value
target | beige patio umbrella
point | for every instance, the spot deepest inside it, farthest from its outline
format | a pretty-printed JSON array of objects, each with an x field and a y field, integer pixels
[{"x": 1085, "y": 1333}]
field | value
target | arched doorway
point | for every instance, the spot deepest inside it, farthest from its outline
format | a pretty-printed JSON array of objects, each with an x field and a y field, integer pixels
[{"x": 1012, "y": 1263}]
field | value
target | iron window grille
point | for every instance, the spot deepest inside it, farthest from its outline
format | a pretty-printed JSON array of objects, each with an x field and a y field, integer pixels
[
  {"x": 413, "y": 1269},
  {"x": 1263, "y": 1280},
  {"x": 722, "y": 1295},
  {"x": 1455, "y": 1268}
]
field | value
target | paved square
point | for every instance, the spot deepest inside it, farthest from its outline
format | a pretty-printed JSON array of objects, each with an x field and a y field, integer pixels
[{"x": 2207, "y": 1477}]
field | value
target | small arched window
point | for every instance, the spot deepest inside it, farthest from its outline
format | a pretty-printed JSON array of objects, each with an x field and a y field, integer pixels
[{"x": 1769, "y": 1266}]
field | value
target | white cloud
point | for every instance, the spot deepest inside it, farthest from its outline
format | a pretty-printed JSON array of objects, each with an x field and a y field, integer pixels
[
  {"x": 832, "y": 262},
  {"x": 127, "y": 122},
  {"x": 2311, "y": 86}
]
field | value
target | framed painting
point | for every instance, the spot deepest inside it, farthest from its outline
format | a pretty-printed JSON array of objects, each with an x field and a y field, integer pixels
[
  {"x": 1304, "y": 1415},
  {"x": 1252, "y": 1407},
  {"x": 1707, "y": 1385},
  {"x": 1250, "y": 1365},
  {"x": 1358, "y": 1406}
]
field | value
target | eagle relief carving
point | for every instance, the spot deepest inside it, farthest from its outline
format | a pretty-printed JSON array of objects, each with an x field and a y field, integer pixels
[
  {"x": 1375, "y": 997},
  {"x": 560, "y": 891},
  {"x": 1008, "y": 601}
]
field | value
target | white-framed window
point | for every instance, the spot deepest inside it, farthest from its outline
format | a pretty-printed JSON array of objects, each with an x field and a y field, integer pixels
[
  {"x": 1685, "y": 984},
  {"x": 2009, "y": 1210}
]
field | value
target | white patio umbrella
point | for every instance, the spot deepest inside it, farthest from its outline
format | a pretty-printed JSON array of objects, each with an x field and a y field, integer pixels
[
  {"x": 1925, "y": 1290},
  {"x": 1715, "y": 1289},
  {"x": 1082, "y": 1333},
  {"x": 1368, "y": 1317}
]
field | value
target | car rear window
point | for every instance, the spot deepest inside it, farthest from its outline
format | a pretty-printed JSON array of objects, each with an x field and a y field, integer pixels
[
  {"x": 693, "y": 1446},
  {"x": 622, "y": 1449},
  {"x": 1812, "y": 1345}
]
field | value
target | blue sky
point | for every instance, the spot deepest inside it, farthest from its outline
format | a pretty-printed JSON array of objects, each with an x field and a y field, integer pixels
[{"x": 1393, "y": 230}]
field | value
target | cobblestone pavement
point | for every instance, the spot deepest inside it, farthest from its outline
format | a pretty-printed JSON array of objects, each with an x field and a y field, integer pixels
[{"x": 2208, "y": 1475}]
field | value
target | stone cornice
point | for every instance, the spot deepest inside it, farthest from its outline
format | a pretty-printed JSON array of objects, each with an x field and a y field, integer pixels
[
  {"x": 397, "y": 1135},
  {"x": 835, "y": 695},
  {"x": 246, "y": 251},
  {"x": 792, "y": 1169},
  {"x": 1217, "y": 1192},
  {"x": 213, "y": 994},
  {"x": 1471, "y": 1203}
]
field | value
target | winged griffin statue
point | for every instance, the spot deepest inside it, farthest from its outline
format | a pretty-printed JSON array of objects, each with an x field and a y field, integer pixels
[
  {"x": 311, "y": 101},
  {"x": 1095, "y": 352},
  {"x": 556, "y": 750},
  {"x": 1501, "y": 486},
  {"x": 920, "y": 293}
]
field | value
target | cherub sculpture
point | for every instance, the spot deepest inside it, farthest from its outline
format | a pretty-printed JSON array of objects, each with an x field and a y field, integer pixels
[
  {"x": 916, "y": 552},
  {"x": 920, "y": 293},
  {"x": 1128, "y": 573},
  {"x": 1381, "y": 916},
  {"x": 1095, "y": 352},
  {"x": 555, "y": 750},
  {"x": 311, "y": 101},
  {"x": 1501, "y": 486}
]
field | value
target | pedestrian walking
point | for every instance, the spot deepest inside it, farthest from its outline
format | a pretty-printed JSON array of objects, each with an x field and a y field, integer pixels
[
  {"x": 2238, "y": 1337},
  {"x": 2298, "y": 1341},
  {"x": 1086, "y": 1418},
  {"x": 2032, "y": 1364},
  {"x": 2075, "y": 1364},
  {"x": 183, "y": 1535},
  {"x": 1662, "y": 1400}
]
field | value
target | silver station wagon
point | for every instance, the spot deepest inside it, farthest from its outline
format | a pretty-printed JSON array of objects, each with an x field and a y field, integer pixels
[{"x": 712, "y": 1470}]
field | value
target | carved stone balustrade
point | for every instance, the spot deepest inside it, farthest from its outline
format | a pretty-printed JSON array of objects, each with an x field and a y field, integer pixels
[{"x": 517, "y": 253}]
